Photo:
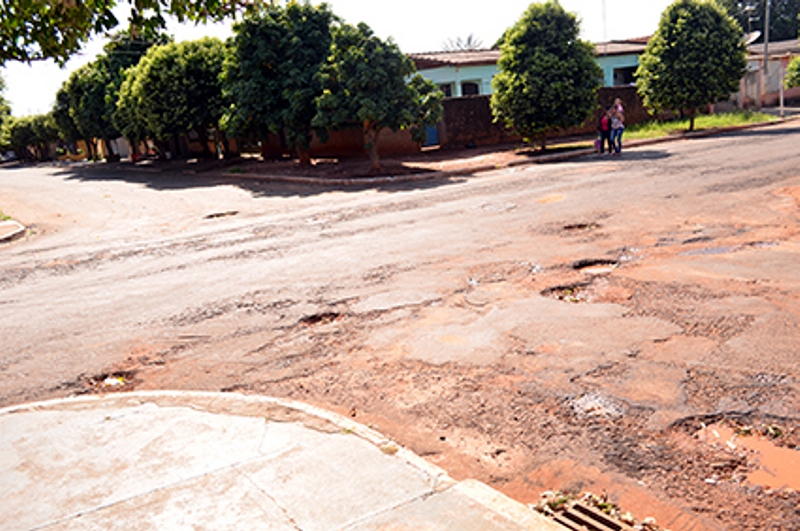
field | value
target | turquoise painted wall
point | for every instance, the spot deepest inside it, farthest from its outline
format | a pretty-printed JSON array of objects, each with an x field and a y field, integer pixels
[
  {"x": 483, "y": 74},
  {"x": 611, "y": 62}
]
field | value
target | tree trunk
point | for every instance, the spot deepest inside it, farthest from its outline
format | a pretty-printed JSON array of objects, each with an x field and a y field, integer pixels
[
  {"x": 543, "y": 140},
  {"x": 178, "y": 152},
  {"x": 303, "y": 155},
  {"x": 265, "y": 154},
  {"x": 162, "y": 147},
  {"x": 110, "y": 155},
  {"x": 226, "y": 145},
  {"x": 371, "y": 144},
  {"x": 692, "y": 113},
  {"x": 202, "y": 132},
  {"x": 90, "y": 146}
]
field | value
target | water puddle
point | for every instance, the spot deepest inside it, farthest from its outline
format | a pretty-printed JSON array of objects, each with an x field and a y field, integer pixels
[
  {"x": 778, "y": 467},
  {"x": 726, "y": 249},
  {"x": 711, "y": 251}
]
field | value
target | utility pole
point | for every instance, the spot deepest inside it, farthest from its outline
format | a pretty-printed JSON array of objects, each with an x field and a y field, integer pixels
[{"x": 766, "y": 47}]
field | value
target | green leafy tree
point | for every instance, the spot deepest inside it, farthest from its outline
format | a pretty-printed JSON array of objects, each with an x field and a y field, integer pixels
[
  {"x": 272, "y": 74},
  {"x": 548, "y": 77},
  {"x": 62, "y": 119},
  {"x": 5, "y": 108},
  {"x": 784, "y": 17},
  {"x": 174, "y": 89},
  {"x": 18, "y": 136},
  {"x": 46, "y": 133},
  {"x": 122, "y": 52},
  {"x": 793, "y": 74},
  {"x": 86, "y": 100},
  {"x": 128, "y": 116},
  {"x": 34, "y": 30},
  {"x": 696, "y": 57},
  {"x": 370, "y": 83},
  {"x": 29, "y": 136}
]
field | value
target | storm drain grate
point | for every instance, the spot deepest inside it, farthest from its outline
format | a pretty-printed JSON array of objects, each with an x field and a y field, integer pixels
[{"x": 582, "y": 517}]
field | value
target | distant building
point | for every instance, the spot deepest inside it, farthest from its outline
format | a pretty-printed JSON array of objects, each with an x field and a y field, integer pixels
[{"x": 752, "y": 85}]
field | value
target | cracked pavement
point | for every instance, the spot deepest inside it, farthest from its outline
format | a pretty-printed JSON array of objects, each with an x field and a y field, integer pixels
[{"x": 545, "y": 327}]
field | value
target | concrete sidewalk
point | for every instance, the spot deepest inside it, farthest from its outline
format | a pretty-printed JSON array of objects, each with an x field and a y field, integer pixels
[{"x": 178, "y": 460}]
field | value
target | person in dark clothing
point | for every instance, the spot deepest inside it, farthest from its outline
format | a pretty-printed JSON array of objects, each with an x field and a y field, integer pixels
[{"x": 604, "y": 128}]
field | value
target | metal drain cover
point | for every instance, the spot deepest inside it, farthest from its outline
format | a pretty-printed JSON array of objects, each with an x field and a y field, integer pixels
[{"x": 582, "y": 517}]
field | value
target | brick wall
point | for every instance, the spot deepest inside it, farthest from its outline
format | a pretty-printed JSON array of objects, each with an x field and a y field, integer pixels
[{"x": 468, "y": 121}]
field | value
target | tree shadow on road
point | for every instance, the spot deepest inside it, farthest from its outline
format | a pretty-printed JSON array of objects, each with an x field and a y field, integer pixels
[
  {"x": 266, "y": 187},
  {"x": 766, "y": 131}
]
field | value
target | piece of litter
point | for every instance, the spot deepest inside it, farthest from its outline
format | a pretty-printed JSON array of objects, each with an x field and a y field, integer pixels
[{"x": 112, "y": 381}]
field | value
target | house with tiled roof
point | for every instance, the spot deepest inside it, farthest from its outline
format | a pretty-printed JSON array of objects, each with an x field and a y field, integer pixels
[
  {"x": 769, "y": 88},
  {"x": 470, "y": 72}
]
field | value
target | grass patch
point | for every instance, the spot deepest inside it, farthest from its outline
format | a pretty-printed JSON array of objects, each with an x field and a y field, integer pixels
[
  {"x": 3, "y": 217},
  {"x": 701, "y": 123}
]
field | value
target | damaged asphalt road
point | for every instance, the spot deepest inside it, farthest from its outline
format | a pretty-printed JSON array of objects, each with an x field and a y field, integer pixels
[{"x": 553, "y": 327}]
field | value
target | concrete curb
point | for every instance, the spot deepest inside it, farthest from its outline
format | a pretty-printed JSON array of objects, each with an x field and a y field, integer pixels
[
  {"x": 10, "y": 230},
  {"x": 282, "y": 410}
]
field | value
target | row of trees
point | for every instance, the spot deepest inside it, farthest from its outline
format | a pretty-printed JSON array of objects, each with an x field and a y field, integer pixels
[
  {"x": 548, "y": 78},
  {"x": 298, "y": 70},
  {"x": 291, "y": 71}
]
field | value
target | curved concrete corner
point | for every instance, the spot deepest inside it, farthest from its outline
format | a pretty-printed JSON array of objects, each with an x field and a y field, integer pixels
[
  {"x": 11, "y": 230},
  {"x": 174, "y": 460}
]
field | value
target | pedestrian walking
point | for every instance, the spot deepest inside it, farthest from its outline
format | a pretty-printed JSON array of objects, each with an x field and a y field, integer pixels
[{"x": 617, "y": 126}]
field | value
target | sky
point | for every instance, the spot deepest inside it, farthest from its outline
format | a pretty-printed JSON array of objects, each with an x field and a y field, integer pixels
[{"x": 415, "y": 25}]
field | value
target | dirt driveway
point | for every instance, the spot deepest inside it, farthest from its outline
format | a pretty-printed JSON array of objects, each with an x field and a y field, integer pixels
[{"x": 569, "y": 326}]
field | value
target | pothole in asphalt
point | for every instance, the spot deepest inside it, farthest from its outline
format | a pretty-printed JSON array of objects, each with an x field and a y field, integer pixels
[
  {"x": 581, "y": 227},
  {"x": 217, "y": 215},
  {"x": 763, "y": 245},
  {"x": 320, "y": 318},
  {"x": 568, "y": 293},
  {"x": 594, "y": 405},
  {"x": 595, "y": 266},
  {"x": 698, "y": 239},
  {"x": 111, "y": 381}
]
